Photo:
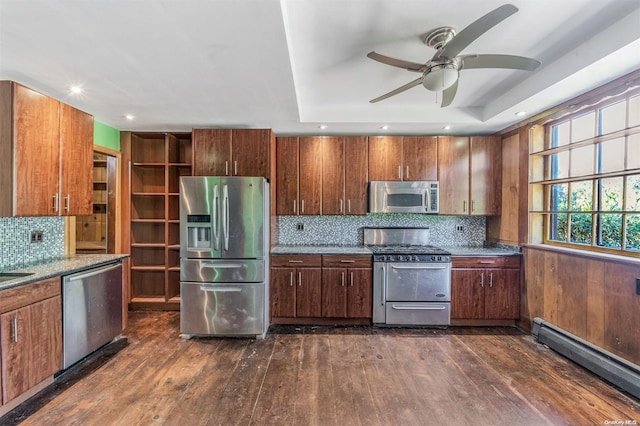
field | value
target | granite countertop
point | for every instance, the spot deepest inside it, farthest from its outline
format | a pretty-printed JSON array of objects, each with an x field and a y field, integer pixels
[
  {"x": 64, "y": 266},
  {"x": 355, "y": 250}
]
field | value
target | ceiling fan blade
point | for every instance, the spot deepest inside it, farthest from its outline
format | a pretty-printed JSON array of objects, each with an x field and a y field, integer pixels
[
  {"x": 498, "y": 61},
  {"x": 448, "y": 94},
  {"x": 400, "y": 89},
  {"x": 409, "y": 66},
  {"x": 475, "y": 30}
]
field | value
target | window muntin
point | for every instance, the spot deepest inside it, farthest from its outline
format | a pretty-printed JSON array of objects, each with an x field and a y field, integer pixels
[{"x": 592, "y": 163}]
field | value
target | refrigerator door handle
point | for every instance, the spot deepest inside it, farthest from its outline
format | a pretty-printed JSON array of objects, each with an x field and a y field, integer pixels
[
  {"x": 225, "y": 216},
  {"x": 220, "y": 289},
  {"x": 216, "y": 198}
]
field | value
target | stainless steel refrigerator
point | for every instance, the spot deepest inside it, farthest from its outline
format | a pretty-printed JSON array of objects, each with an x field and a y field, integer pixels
[{"x": 224, "y": 256}]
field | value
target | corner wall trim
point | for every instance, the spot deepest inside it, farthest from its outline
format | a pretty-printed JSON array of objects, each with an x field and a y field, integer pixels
[{"x": 616, "y": 370}]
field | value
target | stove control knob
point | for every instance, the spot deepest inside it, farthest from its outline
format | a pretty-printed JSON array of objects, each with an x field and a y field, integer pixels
[{"x": 433, "y": 258}]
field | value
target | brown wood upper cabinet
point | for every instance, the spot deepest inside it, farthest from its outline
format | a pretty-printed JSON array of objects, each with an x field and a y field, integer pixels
[
  {"x": 344, "y": 175},
  {"x": 469, "y": 174},
  {"x": 232, "y": 152},
  {"x": 298, "y": 175},
  {"x": 403, "y": 158},
  {"x": 46, "y": 155}
]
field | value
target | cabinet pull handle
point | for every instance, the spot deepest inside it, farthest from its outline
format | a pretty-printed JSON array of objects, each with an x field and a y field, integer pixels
[
  {"x": 342, "y": 279},
  {"x": 473, "y": 205},
  {"x": 226, "y": 168},
  {"x": 294, "y": 206},
  {"x": 55, "y": 202},
  {"x": 464, "y": 206},
  {"x": 235, "y": 167},
  {"x": 349, "y": 205},
  {"x": 301, "y": 206},
  {"x": 400, "y": 172},
  {"x": 67, "y": 202},
  {"x": 295, "y": 261},
  {"x": 487, "y": 262},
  {"x": 346, "y": 261},
  {"x": 491, "y": 279},
  {"x": 15, "y": 329},
  {"x": 291, "y": 279},
  {"x": 482, "y": 280},
  {"x": 340, "y": 205},
  {"x": 351, "y": 279},
  {"x": 300, "y": 279},
  {"x": 407, "y": 172}
]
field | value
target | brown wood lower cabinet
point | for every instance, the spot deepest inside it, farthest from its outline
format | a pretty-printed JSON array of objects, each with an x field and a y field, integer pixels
[
  {"x": 485, "y": 288},
  {"x": 312, "y": 288},
  {"x": 30, "y": 337}
]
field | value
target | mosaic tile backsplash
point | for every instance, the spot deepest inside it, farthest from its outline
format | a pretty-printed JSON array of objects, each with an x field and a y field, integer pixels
[
  {"x": 17, "y": 251},
  {"x": 347, "y": 230}
]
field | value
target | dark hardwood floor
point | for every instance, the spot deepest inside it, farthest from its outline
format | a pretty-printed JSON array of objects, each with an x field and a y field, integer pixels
[{"x": 326, "y": 376}]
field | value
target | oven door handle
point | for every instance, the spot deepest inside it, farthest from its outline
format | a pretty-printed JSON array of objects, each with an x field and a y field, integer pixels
[
  {"x": 418, "y": 308},
  {"x": 223, "y": 265},
  {"x": 220, "y": 289},
  {"x": 421, "y": 266}
]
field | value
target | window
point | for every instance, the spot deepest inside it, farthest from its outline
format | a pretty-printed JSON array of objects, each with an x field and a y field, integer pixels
[{"x": 591, "y": 179}]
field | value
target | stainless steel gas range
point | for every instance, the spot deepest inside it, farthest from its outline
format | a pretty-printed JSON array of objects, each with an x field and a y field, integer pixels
[{"x": 411, "y": 279}]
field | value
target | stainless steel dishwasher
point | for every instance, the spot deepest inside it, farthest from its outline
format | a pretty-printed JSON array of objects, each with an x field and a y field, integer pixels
[{"x": 91, "y": 311}]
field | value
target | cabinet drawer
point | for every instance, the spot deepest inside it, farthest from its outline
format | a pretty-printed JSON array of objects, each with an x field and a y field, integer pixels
[
  {"x": 296, "y": 261},
  {"x": 27, "y": 294},
  {"x": 338, "y": 261},
  {"x": 486, "y": 262}
]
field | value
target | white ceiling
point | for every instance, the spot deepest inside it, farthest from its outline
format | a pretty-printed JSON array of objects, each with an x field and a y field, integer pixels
[{"x": 292, "y": 65}]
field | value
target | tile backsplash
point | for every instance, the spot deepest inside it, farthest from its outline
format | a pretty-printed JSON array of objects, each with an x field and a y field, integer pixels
[
  {"x": 347, "y": 230},
  {"x": 16, "y": 250}
]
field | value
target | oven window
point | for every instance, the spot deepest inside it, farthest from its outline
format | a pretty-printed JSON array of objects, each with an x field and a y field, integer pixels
[{"x": 404, "y": 200}]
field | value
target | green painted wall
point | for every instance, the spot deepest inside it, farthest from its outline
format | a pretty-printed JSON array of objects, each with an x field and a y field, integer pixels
[{"x": 106, "y": 136}]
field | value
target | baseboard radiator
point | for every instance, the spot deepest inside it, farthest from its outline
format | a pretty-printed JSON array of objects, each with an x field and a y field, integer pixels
[{"x": 618, "y": 371}]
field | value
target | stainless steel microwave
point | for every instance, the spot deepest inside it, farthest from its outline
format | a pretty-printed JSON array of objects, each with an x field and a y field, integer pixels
[{"x": 404, "y": 197}]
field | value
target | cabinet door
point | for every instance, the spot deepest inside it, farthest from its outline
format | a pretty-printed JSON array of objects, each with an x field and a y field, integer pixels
[
  {"x": 308, "y": 303},
  {"x": 31, "y": 346},
  {"x": 356, "y": 158},
  {"x": 36, "y": 124},
  {"x": 486, "y": 175},
  {"x": 334, "y": 292},
  {"x": 502, "y": 294},
  {"x": 453, "y": 174},
  {"x": 283, "y": 292},
  {"x": 333, "y": 164},
  {"x": 310, "y": 175},
  {"x": 211, "y": 152},
  {"x": 420, "y": 158},
  {"x": 250, "y": 150},
  {"x": 385, "y": 157},
  {"x": 76, "y": 156},
  {"x": 359, "y": 293},
  {"x": 467, "y": 294},
  {"x": 287, "y": 151}
]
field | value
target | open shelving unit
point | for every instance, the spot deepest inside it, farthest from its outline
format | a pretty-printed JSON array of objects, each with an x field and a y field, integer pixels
[
  {"x": 157, "y": 160},
  {"x": 91, "y": 230}
]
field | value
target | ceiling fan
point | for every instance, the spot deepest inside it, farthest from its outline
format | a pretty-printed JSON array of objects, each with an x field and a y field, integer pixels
[{"x": 441, "y": 72}]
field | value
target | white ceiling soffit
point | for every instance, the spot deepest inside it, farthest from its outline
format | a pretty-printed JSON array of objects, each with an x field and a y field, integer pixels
[{"x": 294, "y": 64}]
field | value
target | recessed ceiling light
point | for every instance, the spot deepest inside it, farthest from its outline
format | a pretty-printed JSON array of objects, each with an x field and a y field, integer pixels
[
  {"x": 75, "y": 90},
  {"x": 385, "y": 127},
  {"x": 521, "y": 113},
  {"x": 322, "y": 126},
  {"x": 129, "y": 117},
  {"x": 447, "y": 127}
]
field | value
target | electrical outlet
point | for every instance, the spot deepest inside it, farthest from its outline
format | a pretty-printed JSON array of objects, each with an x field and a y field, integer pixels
[
  {"x": 638, "y": 286},
  {"x": 299, "y": 226},
  {"x": 459, "y": 228},
  {"x": 36, "y": 236}
]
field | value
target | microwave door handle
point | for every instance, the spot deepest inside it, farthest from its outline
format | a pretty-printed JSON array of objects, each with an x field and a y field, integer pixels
[{"x": 427, "y": 198}]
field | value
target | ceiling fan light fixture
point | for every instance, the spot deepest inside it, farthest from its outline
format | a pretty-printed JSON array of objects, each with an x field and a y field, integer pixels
[{"x": 440, "y": 77}]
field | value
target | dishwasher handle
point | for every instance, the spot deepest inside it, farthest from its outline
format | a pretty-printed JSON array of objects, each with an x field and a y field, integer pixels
[{"x": 92, "y": 272}]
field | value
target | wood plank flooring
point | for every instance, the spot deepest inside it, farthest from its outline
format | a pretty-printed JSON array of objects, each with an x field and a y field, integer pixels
[{"x": 326, "y": 376}]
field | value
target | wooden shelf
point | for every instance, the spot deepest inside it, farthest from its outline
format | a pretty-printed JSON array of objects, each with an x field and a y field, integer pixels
[{"x": 158, "y": 161}]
